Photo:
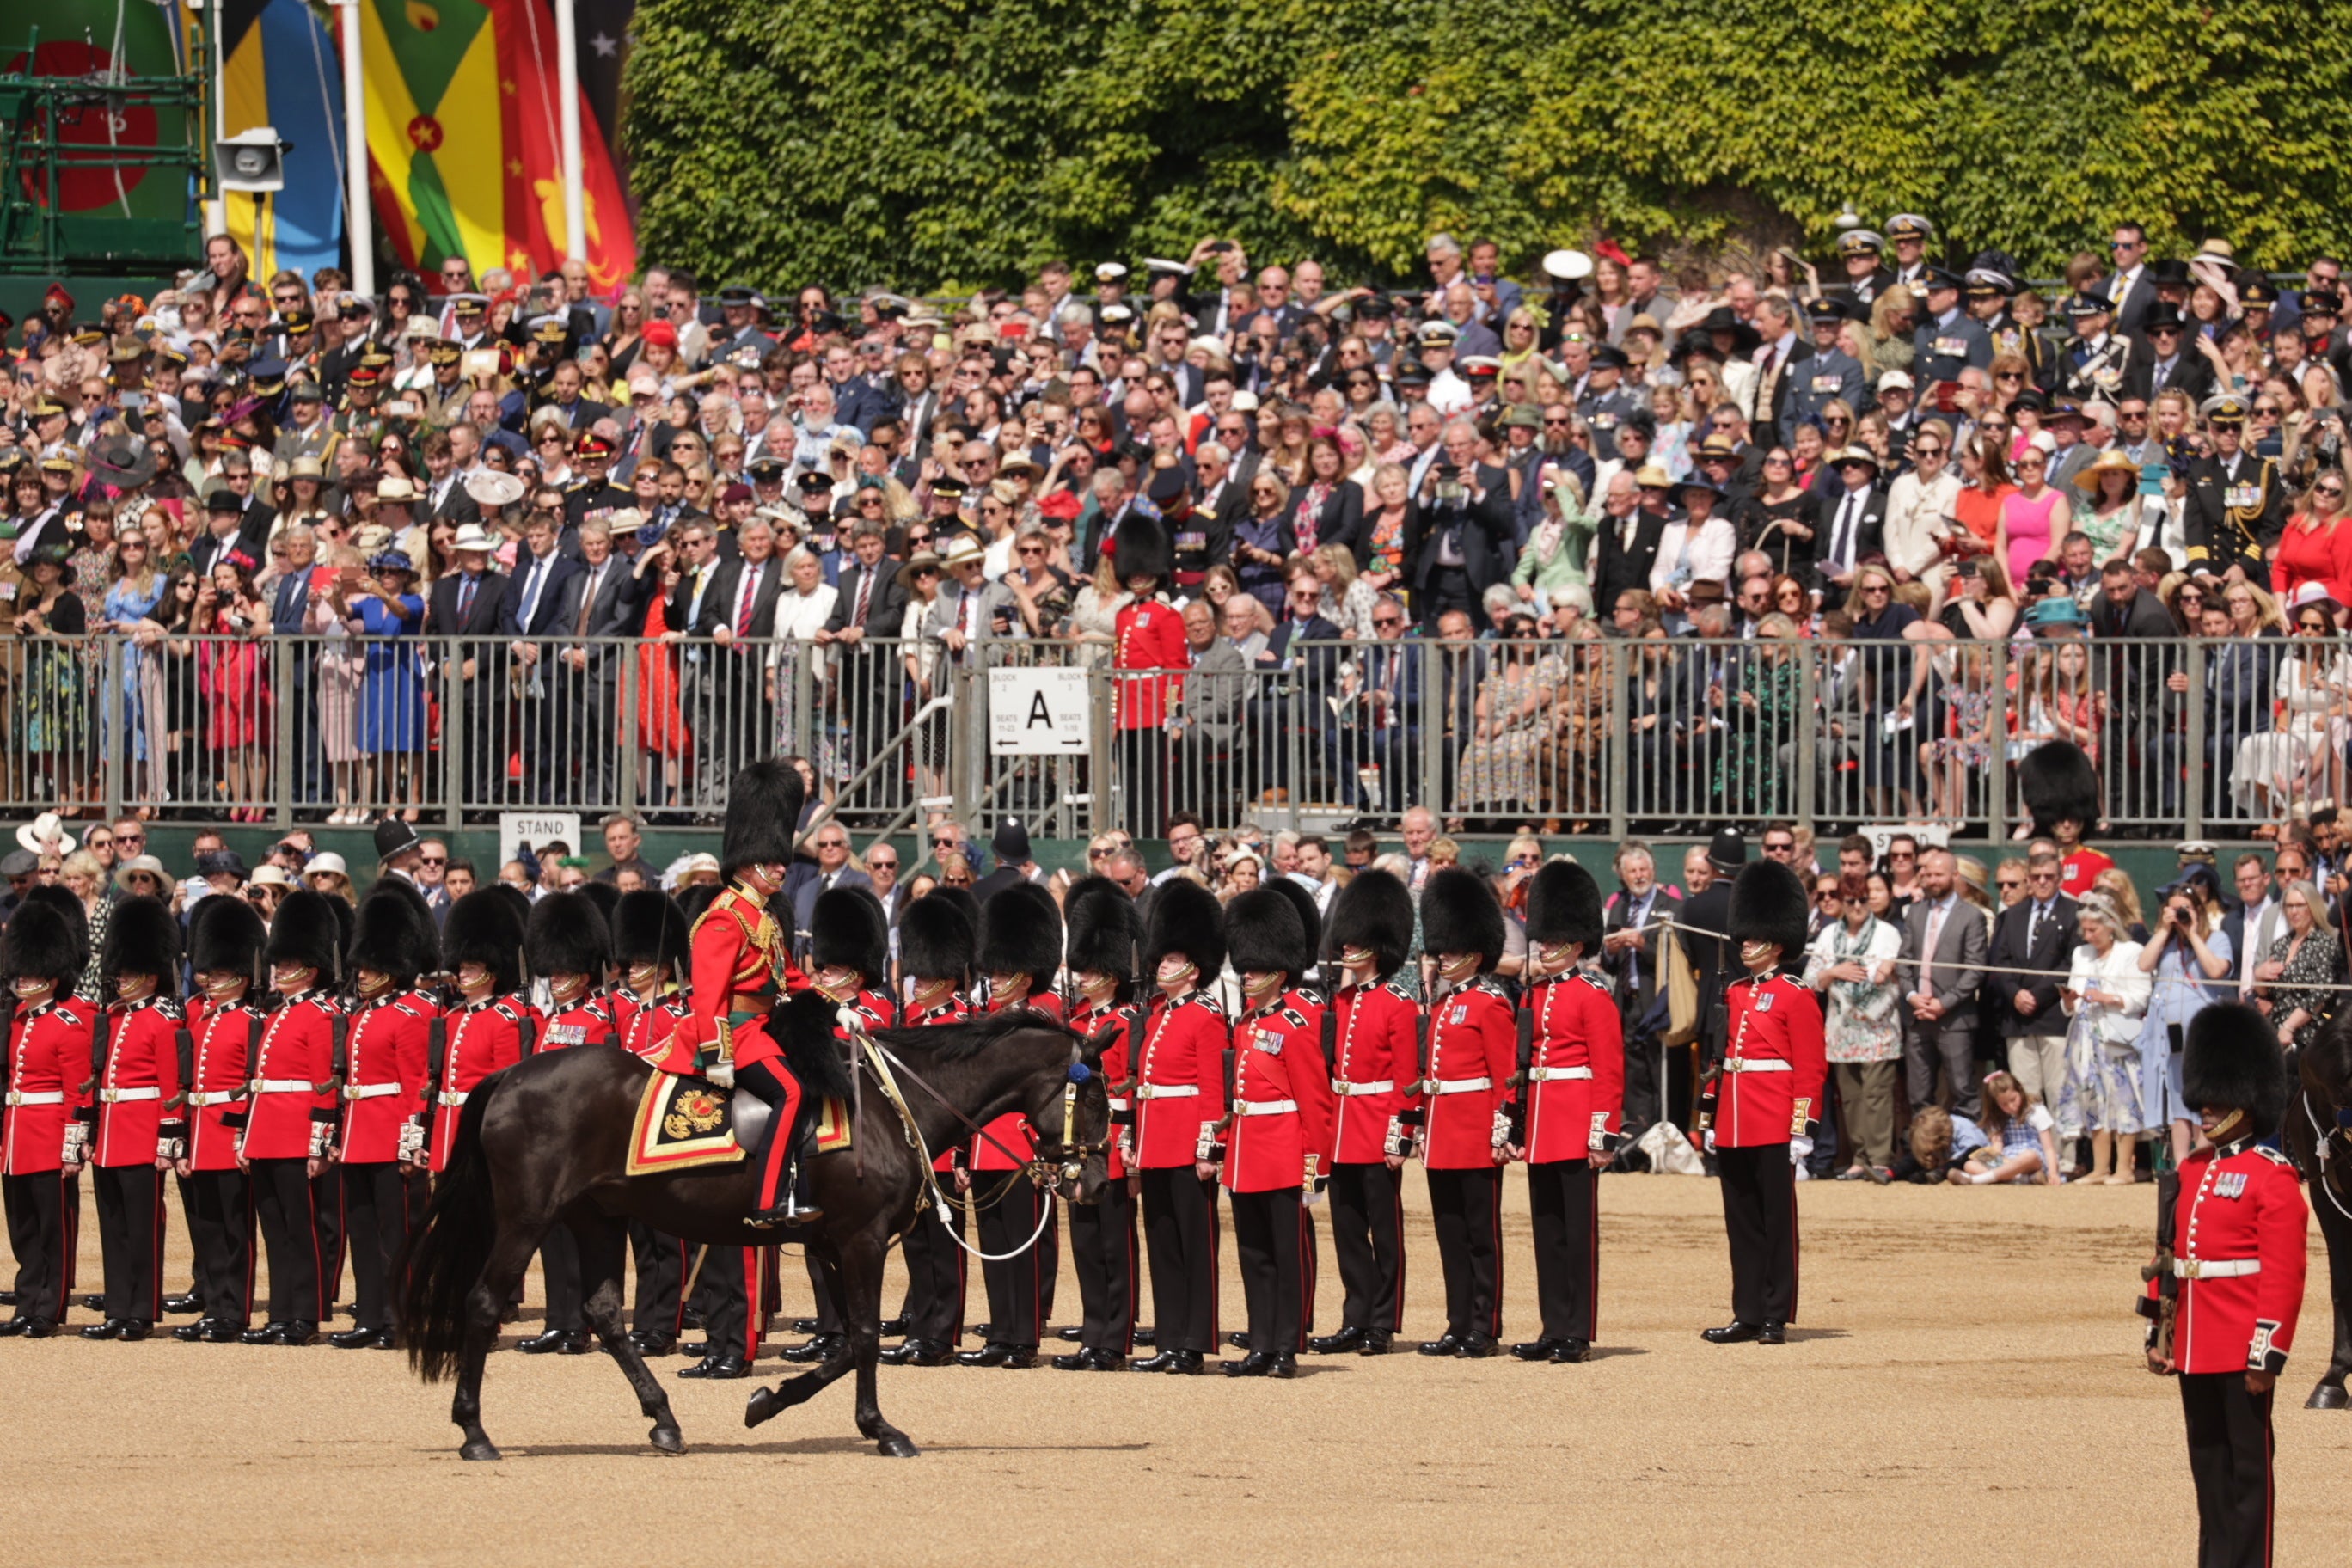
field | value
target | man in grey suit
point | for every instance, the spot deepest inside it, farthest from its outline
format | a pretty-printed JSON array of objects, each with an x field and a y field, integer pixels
[
  {"x": 1944, "y": 944},
  {"x": 1208, "y": 715},
  {"x": 805, "y": 882},
  {"x": 611, "y": 605},
  {"x": 2037, "y": 933}
]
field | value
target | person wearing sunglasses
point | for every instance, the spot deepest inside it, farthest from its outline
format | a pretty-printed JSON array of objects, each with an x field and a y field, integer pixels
[
  {"x": 2316, "y": 546},
  {"x": 2236, "y": 504},
  {"x": 2170, "y": 358}
]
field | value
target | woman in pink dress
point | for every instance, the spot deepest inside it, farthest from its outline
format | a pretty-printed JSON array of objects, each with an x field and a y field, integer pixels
[{"x": 2035, "y": 518}]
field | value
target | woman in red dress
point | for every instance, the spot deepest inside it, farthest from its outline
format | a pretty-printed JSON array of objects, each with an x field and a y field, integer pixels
[{"x": 661, "y": 727}]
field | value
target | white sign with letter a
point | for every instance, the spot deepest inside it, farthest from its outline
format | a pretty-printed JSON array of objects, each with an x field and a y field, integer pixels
[{"x": 1037, "y": 712}]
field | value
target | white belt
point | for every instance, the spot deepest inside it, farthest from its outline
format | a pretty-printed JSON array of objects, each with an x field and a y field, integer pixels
[
  {"x": 369, "y": 1090},
  {"x": 451, "y": 1099},
  {"x": 282, "y": 1085},
  {"x": 1378, "y": 1086},
  {"x": 1166, "y": 1091},
  {"x": 118, "y": 1096},
  {"x": 202, "y": 1098},
  {"x": 1550, "y": 1074},
  {"x": 37, "y": 1096},
  {"x": 2214, "y": 1268},
  {"x": 1460, "y": 1085},
  {"x": 1118, "y": 1103},
  {"x": 1263, "y": 1107},
  {"x": 1742, "y": 1064}
]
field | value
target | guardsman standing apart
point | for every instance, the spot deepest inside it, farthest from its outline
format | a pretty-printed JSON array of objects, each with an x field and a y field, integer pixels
[
  {"x": 2239, "y": 1254},
  {"x": 137, "y": 1129},
  {"x": 1151, "y": 637},
  {"x": 1104, "y": 939},
  {"x": 226, "y": 937},
  {"x": 387, "y": 1064},
  {"x": 1020, "y": 951},
  {"x": 649, "y": 944},
  {"x": 937, "y": 949},
  {"x": 1763, "y": 1101},
  {"x": 1572, "y": 1091},
  {"x": 567, "y": 944},
  {"x": 290, "y": 1127},
  {"x": 1471, "y": 1040},
  {"x": 1180, "y": 1095},
  {"x": 1375, "y": 1073},
  {"x": 491, "y": 1027},
  {"x": 1280, "y": 1126},
  {"x": 49, "y": 1032}
]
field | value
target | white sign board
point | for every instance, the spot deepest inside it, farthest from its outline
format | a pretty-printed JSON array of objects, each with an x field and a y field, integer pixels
[
  {"x": 1930, "y": 836},
  {"x": 536, "y": 828},
  {"x": 1037, "y": 712}
]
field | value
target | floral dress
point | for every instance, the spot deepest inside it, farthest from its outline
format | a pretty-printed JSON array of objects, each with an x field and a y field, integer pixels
[
  {"x": 1860, "y": 1024},
  {"x": 1748, "y": 779},
  {"x": 1499, "y": 771},
  {"x": 2319, "y": 962},
  {"x": 2103, "y": 1069}
]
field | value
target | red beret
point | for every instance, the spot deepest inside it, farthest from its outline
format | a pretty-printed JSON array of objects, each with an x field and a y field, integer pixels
[{"x": 662, "y": 333}]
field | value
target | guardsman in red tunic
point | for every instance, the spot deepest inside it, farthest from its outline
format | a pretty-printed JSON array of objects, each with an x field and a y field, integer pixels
[
  {"x": 567, "y": 944},
  {"x": 1279, "y": 1127},
  {"x": 1180, "y": 1095},
  {"x": 1104, "y": 940},
  {"x": 1473, "y": 1036},
  {"x": 1764, "y": 1096},
  {"x": 137, "y": 1129},
  {"x": 387, "y": 1064},
  {"x": 49, "y": 1037},
  {"x": 1375, "y": 1074},
  {"x": 938, "y": 946},
  {"x": 490, "y": 1026},
  {"x": 1571, "y": 1093},
  {"x": 2237, "y": 1255},
  {"x": 290, "y": 1120},
  {"x": 226, "y": 937},
  {"x": 650, "y": 947},
  {"x": 1150, "y": 636}
]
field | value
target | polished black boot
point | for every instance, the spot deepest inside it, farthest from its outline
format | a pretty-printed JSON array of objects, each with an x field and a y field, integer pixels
[
  {"x": 821, "y": 1348},
  {"x": 921, "y": 1353},
  {"x": 1732, "y": 1333},
  {"x": 1340, "y": 1343}
]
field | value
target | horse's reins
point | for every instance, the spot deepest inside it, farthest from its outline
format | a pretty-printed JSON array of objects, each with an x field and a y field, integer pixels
[{"x": 2323, "y": 1136}]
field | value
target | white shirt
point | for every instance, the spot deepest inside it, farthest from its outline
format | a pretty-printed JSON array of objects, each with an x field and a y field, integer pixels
[
  {"x": 2117, "y": 975},
  {"x": 1915, "y": 514},
  {"x": 1707, "y": 554}
]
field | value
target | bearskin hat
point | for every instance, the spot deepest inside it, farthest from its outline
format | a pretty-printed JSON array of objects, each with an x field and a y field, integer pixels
[
  {"x": 1142, "y": 548},
  {"x": 1768, "y": 904},
  {"x": 936, "y": 940},
  {"x": 1263, "y": 934},
  {"x": 2058, "y": 783},
  {"x": 394, "y": 933},
  {"x": 1373, "y": 911},
  {"x": 516, "y": 900},
  {"x": 482, "y": 929},
  {"x": 226, "y": 935},
  {"x": 763, "y": 816},
  {"x": 143, "y": 938},
  {"x": 59, "y": 897},
  {"x": 1020, "y": 933},
  {"x": 605, "y": 896},
  {"x": 1310, "y": 919},
  {"x": 2232, "y": 1059},
  {"x": 1186, "y": 919},
  {"x": 1103, "y": 930},
  {"x": 648, "y": 927},
  {"x": 693, "y": 902},
  {"x": 567, "y": 935},
  {"x": 1459, "y": 913},
  {"x": 307, "y": 932},
  {"x": 1564, "y": 905},
  {"x": 41, "y": 944},
  {"x": 849, "y": 928}
]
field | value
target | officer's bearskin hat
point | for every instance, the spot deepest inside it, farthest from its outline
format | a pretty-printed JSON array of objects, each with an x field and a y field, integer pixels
[
  {"x": 936, "y": 940},
  {"x": 648, "y": 927},
  {"x": 567, "y": 935},
  {"x": 605, "y": 896},
  {"x": 482, "y": 928},
  {"x": 763, "y": 814},
  {"x": 143, "y": 938},
  {"x": 1262, "y": 935},
  {"x": 1142, "y": 548},
  {"x": 59, "y": 897},
  {"x": 2232, "y": 1059},
  {"x": 1104, "y": 933},
  {"x": 226, "y": 934},
  {"x": 1373, "y": 911},
  {"x": 1459, "y": 913},
  {"x": 1768, "y": 904},
  {"x": 40, "y": 944},
  {"x": 1185, "y": 919},
  {"x": 1564, "y": 905},
  {"x": 849, "y": 928},
  {"x": 2058, "y": 783},
  {"x": 1020, "y": 933},
  {"x": 1310, "y": 919},
  {"x": 307, "y": 932},
  {"x": 393, "y": 933}
]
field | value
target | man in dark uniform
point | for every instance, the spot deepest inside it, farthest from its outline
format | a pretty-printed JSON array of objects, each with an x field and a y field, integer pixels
[
  {"x": 937, "y": 948},
  {"x": 1867, "y": 279},
  {"x": 387, "y": 1064},
  {"x": 1100, "y": 955},
  {"x": 2236, "y": 506},
  {"x": 1911, "y": 234},
  {"x": 1607, "y": 403},
  {"x": 1947, "y": 340},
  {"x": 1714, "y": 958},
  {"x": 135, "y": 1119},
  {"x": 1830, "y": 373},
  {"x": 48, "y": 1034},
  {"x": 649, "y": 944},
  {"x": 2096, "y": 358}
]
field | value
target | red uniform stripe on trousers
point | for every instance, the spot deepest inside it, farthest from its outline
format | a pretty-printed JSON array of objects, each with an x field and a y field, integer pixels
[
  {"x": 1495, "y": 1318},
  {"x": 155, "y": 1239},
  {"x": 318, "y": 1258},
  {"x": 69, "y": 1211},
  {"x": 250, "y": 1249},
  {"x": 1796, "y": 1274},
  {"x": 1592, "y": 1257},
  {"x": 752, "y": 1298},
  {"x": 1306, "y": 1276},
  {"x": 1396, "y": 1305}
]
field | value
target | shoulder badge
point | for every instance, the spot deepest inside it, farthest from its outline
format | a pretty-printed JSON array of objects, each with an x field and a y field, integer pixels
[
  {"x": 1394, "y": 989},
  {"x": 509, "y": 1011},
  {"x": 403, "y": 1006},
  {"x": 2273, "y": 1155},
  {"x": 1293, "y": 1017}
]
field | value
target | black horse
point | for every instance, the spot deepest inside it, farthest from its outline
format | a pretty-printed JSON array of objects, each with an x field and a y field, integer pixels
[
  {"x": 547, "y": 1138},
  {"x": 2319, "y": 1140}
]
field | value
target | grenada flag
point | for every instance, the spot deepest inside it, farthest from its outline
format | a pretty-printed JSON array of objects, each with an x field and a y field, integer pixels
[{"x": 465, "y": 140}]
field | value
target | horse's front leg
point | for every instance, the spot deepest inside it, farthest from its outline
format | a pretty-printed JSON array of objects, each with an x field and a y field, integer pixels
[
  {"x": 765, "y": 1404},
  {"x": 860, "y": 1300},
  {"x": 2330, "y": 1394},
  {"x": 484, "y": 1306}
]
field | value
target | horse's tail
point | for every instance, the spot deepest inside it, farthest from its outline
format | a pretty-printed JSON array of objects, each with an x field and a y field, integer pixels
[
  {"x": 445, "y": 1258},
  {"x": 803, "y": 1027}
]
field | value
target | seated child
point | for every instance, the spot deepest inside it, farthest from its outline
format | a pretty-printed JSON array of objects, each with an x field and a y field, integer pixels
[{"x": 2021, "y": 1139}]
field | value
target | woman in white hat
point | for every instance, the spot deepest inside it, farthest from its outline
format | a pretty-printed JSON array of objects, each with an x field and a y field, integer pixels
[{"x": 326, "y": 873}]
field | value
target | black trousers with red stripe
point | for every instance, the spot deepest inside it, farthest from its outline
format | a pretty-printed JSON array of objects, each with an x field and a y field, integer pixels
[
  {"x": 2229, "y": 1449},
  {"x": 1102, "y": 1251},
  {"x": 661, "y": 1277},
  {"x": 1368, "y": 1239},
  {"x": 1564, "y": 1197},
  {"x": 559, "y": 1274},
  {"x": 732, "y": 1310},
  {"x": 1467, "y": 1209},
  {"x": 327, "y": 1209},
  {"x": 935, "y": 1277},
  {"x": 285, "y": 1203},
  {"x": 220, "y": 1232},
  {"x": 1275, "y": 1248},
  {"x": 131, "y": 1238},
  {"x": 43, "y": 1210},
  {"x": 1016, "y": 1301},
  {"x": 1759, "y": 1219},
  {"x": 375, "y": 1219},
  {"x": 1179, "y": 1228}
]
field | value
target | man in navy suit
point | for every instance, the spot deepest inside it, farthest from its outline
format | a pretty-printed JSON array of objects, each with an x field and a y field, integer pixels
[
  {"x": 610, "y": 603},
  {"x": 1296, "y": 674},
  {"x": 289, "y": 610},
  {"x": 464, "y": 608},
  {"x": 544, "y": 602},
  {"x": 1383, "y": 730},
  {"x": 739, "y": 615}
]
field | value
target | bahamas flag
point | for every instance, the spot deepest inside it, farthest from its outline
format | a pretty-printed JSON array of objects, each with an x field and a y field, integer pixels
[
  {"x": 280, "y": 68},
  {"x": 466, "y": 144}
]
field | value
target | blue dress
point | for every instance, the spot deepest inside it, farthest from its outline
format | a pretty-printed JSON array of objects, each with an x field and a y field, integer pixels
[
  {"x": 391, "y": 691},
  {"x": 124, "y": 601},
  {"x": 2180, "y": 992}
]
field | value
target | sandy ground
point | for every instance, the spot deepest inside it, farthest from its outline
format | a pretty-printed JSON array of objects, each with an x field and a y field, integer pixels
[{"x": 1965, "y": 1380}]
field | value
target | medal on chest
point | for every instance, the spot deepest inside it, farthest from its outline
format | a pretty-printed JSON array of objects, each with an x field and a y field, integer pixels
[{"x": 2230, "y": 1184}]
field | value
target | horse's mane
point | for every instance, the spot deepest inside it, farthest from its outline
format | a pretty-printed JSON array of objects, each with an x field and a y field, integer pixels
[
  {"x": 2327, "y": 1059},
  {"x": 961, "y": 1042}
]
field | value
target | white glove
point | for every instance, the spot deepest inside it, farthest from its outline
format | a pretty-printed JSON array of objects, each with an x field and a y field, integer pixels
[
  {"x": 412, "y": 1141},
  {"x": 1799, "y": 1148},
  {"x": 721, "y": 1075},
  {"x": 1707, "y": 1139}
]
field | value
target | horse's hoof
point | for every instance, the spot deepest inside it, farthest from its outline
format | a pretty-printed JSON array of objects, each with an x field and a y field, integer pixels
[
  {"x": 763, "y": 1404},
  {"x": 481, "y": 1448},
  {"x": 666, "y": 1439},
  {"x": 896, "y": 1445},
  {"x": 2328, "y": 1396}
]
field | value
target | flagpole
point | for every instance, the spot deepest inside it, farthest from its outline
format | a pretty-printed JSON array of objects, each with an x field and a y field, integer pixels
[
  {"x": 359, "y": 224},
  {"x": 567, "y": 79}
]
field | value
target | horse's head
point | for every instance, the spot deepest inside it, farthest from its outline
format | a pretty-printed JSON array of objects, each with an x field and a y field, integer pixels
[
  {"x": 2325, "y": 1067},
  {"x": 1072, "y": 1115}
]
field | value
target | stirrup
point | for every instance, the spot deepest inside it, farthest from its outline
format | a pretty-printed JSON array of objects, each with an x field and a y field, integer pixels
[{"x": 796, "y": 1208}]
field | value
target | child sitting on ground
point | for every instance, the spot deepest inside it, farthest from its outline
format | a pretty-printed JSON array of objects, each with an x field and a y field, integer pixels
[
  {"x": 2021, "y": 1139},
  {"x": 1939, "y": 1142}
]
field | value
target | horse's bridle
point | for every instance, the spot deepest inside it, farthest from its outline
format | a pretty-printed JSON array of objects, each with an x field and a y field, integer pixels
[{"x": 1070, "y": 1157}]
